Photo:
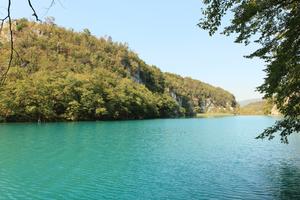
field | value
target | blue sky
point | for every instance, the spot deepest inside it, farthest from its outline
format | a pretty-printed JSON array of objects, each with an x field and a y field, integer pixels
[{"x": 163, "y": 33}]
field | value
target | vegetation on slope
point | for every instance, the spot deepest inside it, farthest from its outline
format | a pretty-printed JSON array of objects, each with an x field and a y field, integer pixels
[
  {"x": 257, "y": 108},
  {"x": 199, "y": 97},
  {"x": 60, "y": 74}
]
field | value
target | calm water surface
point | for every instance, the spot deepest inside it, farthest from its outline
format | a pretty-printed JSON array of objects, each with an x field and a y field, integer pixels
[{"x": 215, "y": 158}]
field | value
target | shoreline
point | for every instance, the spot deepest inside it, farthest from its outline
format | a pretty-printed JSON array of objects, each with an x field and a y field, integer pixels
[{"x": 199, "y": 115}]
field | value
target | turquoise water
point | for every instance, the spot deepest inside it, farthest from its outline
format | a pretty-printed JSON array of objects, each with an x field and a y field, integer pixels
[{"x": 212, "y": 158}]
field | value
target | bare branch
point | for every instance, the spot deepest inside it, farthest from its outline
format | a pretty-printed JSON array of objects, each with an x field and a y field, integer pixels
[
  {"x": 3, "y": 76},
  {"x": 61, "y": 4},
  {"x": 49, "y": 7},
  {"x": 2, "y": 23},
  {"x": 11, "y": 38},
  {"x": 53, "y": 2},
  {"x": 34, "y": 12}
]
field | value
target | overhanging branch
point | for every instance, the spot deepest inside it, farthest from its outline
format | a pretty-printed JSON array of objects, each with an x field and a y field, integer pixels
[{"x": 9, "y": 20}]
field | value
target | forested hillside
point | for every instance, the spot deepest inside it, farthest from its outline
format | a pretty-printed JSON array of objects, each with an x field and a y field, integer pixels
[
  {"x": 59, "y": 74},
  {"x": 262, "y": 107}
]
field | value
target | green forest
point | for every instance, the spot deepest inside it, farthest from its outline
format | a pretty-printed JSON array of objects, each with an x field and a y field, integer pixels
[{"x": 59, "y": 74}]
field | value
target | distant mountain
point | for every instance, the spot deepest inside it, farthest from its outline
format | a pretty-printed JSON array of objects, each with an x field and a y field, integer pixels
[
  {"x": 248, "y": 101},
  {"x": 255, "y": 108},
  {"x": 258, "y": 107},
  {"x": 60, "y": 74}
]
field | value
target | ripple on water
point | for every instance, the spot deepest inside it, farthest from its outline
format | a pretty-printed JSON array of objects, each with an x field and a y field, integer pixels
[{"x": 153, "y": 159}]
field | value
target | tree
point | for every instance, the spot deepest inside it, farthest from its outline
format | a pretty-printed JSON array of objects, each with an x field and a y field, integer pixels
[{"x": 275, "y": 25}]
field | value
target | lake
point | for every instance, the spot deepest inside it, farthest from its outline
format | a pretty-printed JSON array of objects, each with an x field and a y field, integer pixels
[{"x": 203, "y": 158}]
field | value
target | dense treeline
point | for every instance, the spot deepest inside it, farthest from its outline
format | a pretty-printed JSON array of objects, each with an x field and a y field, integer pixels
[{"x": 59, "y": 74}]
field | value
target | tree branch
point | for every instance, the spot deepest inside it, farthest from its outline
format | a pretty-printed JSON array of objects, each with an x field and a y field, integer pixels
[
  {"x": 11, "y": 38},
  {"x": 50, "y": 6},
  {"x": 2, "y": 23},
  {"x": 34, "y": 12},
  {"x": 3, "y": 76}
]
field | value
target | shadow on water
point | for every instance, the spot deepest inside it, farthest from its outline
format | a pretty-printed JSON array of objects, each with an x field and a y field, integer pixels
[
  {"x": 289, "y": 181},
  {"x": 282, "y": 181}
]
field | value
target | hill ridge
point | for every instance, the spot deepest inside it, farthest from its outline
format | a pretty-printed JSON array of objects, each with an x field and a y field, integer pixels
[{"x": 66, "y": 75}]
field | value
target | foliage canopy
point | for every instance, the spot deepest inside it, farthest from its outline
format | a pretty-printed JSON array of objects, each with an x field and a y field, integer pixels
[{"x": 275, "y": 25}]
